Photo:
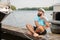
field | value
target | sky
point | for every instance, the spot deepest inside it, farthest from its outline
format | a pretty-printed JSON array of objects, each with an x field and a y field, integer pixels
[{"x": 33, "y": 3}]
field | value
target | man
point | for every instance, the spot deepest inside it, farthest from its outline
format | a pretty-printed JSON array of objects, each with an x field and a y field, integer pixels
[{"x": 41, "y": 24}]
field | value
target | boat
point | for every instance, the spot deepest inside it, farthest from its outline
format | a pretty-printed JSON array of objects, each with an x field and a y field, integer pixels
[{"x": 55, "y": 28}]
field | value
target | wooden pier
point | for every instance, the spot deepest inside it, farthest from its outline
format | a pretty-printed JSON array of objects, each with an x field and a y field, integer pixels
[{"x": 21, "y": 32}]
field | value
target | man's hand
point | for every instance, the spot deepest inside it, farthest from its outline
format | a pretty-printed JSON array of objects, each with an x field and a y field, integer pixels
[
  {"x": 47, "y": 24},
  {"x": 46, "y": 27}
]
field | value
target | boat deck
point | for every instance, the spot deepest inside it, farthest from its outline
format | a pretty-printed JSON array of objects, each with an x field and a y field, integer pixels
[{"x": 22, "y": 33}]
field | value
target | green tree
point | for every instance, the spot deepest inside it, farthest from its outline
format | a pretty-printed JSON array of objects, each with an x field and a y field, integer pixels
[
  {"x": 51, "y": 8},
  {"x": 13, "y": 7}
]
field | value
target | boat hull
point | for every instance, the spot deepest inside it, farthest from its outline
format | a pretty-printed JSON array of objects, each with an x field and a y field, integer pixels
[{"x": 55, "y": 28}]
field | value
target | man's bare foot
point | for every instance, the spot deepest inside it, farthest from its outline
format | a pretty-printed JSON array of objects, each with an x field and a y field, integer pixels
[
  {"x": 35, "y": 35},
  {"x": 40, "y": 36}
]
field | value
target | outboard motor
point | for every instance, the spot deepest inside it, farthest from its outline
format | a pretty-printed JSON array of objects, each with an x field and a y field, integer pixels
[{"x": 55, "y": 28}]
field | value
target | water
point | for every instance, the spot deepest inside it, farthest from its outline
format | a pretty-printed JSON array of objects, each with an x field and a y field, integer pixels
[{"x": 21, "y": 18}]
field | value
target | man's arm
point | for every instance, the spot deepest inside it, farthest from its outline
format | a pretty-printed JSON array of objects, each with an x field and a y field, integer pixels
[
  {"x": 37, "y": 24},
  {"x": 47, "y": 24}
]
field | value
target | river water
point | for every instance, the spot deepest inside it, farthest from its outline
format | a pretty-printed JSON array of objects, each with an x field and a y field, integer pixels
[{"x": 23, "y": 17}]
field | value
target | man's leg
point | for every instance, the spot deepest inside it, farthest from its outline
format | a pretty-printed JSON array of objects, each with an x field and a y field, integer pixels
[
  {"x": 31, "y": 29},
  {"x": 29, "y": 33}
]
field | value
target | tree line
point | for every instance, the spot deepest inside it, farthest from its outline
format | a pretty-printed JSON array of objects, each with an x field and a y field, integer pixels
[{"x": 34, "y": 8}]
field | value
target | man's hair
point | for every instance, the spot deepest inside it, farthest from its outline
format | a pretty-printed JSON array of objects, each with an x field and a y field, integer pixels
[{"x": 40, "y": 9}]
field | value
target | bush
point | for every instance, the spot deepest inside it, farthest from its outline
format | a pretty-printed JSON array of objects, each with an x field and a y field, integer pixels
[{"x": 13, "y": 7}]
